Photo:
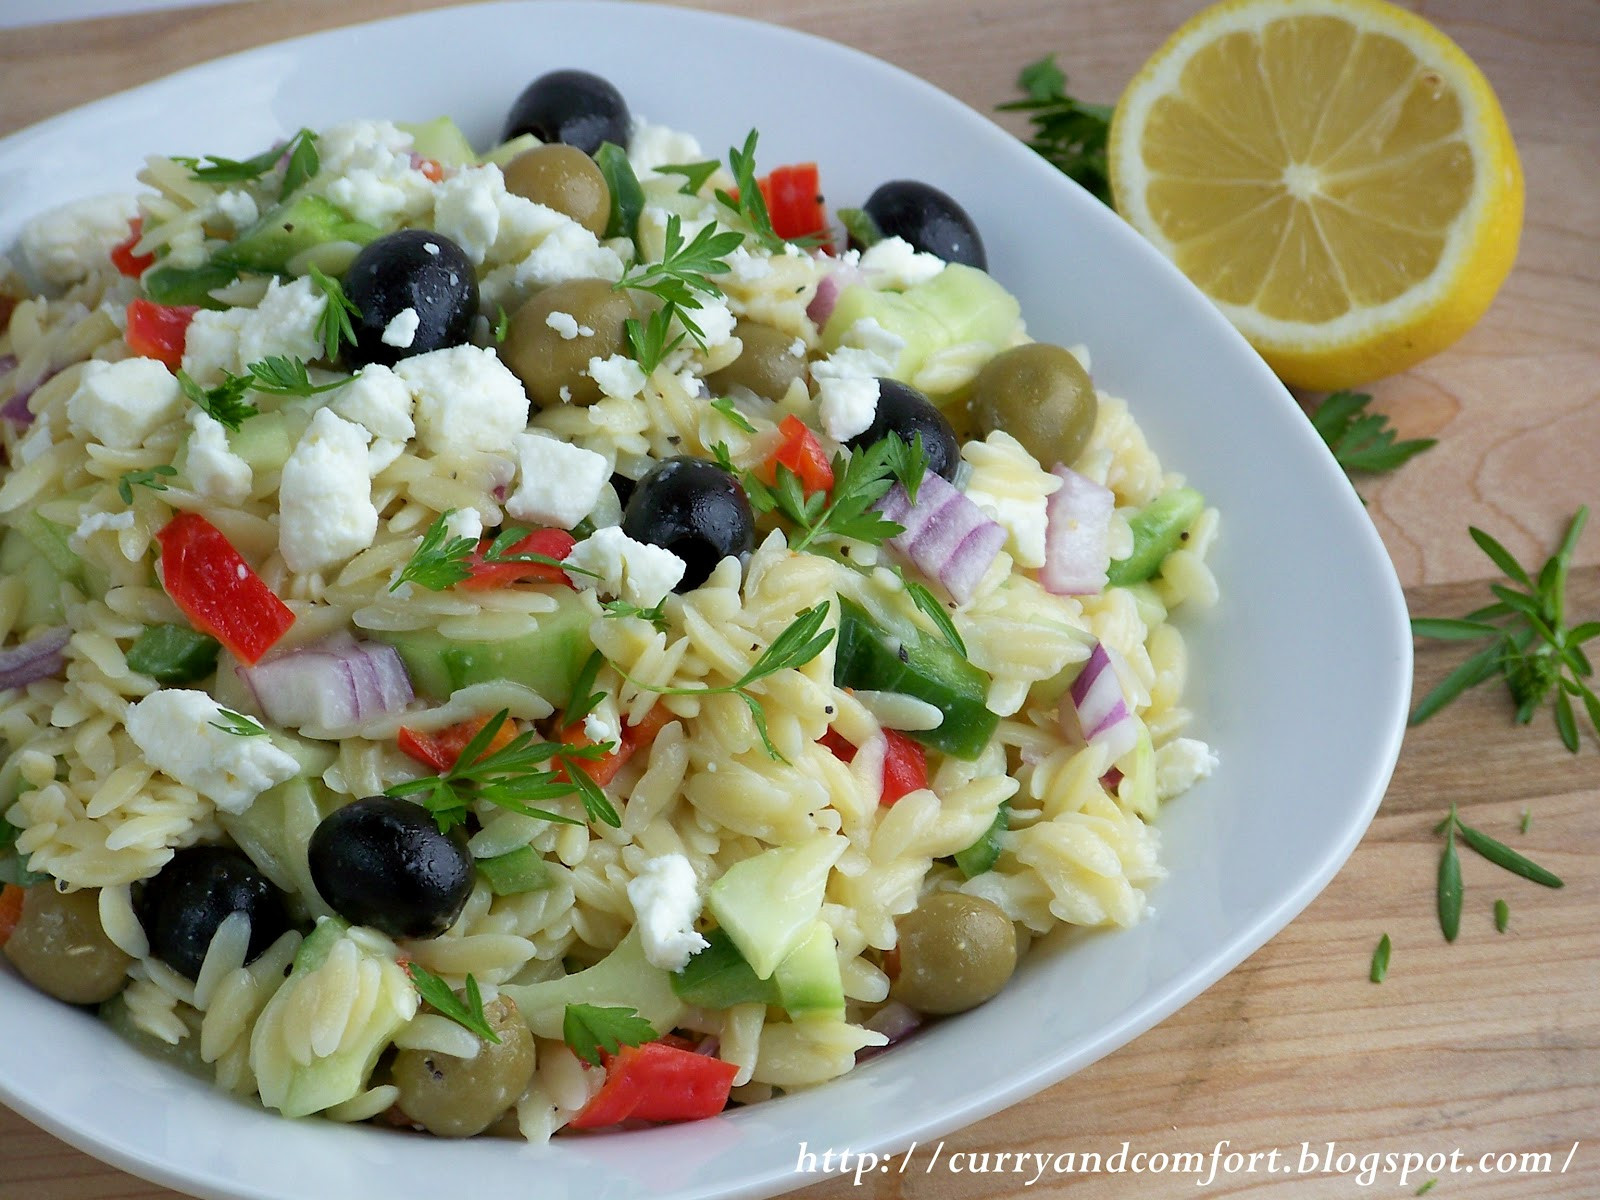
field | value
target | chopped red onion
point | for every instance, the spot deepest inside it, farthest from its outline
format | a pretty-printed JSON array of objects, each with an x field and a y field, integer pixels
[
  {"x": 38, "y": 658},
  {"x": 1099, "y": 708},
  {"x": 709, "y": 1045},
  {"x": 945, "y": 534},
  {"x": 16, "y": 409},
  {"x": 332, "y": 688},
  {"x": 896, "y": 1022},
  {"x": 828, "y": 290},
  {"x": 1076, "y": 541}
]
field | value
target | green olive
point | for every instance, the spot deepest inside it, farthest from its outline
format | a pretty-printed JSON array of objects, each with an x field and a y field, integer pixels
[
  {"x": 1041, "y": 395},
  {"x": 767, "y": 364},
  {"x": 955, "y": 951},
  {"x": 546, "y": 360},
  {"x": 60, "y": 948},
  {"x": 461, "y": 1097},
  {"x": 564, "y": 178}
]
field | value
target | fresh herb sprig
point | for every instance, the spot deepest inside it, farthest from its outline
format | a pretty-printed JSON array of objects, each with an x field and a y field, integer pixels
[
  {"x": 282, "y": 375},
  {"x": 150, "y": 478},
  {"x": 1067, "y": 133},
  {"x": 657, "y": 616},
  {"x": 725, "y": 406},
  {"x": 1451, "y": 890},
  {"x": 442, "y": 560},
  {"x": 1380, "y": 960},
  {"x": 694, "y": 174},
  {"x": 584, "y": 699},
  {"x": 1361, "y": 440},
  {"x": 925, "y": 600},
  {"x": 334, "y": 326},
  {"x": 512, "y": 777},
  {"x": 1531, "y": 647},
  {"x": 593, "y": 1031},
  {"x": 845, "y": 511},
  {"x": 238, "y": 724},
  {"x": 298, "y": 154},
  {"x": 468, "y": 1014},
  {"x": 224, "y": 403},
  {"x": 746, "y": 199}
]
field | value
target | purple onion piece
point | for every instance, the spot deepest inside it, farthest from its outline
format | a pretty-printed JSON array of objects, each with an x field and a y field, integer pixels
[{"x": 38, "y": 658}]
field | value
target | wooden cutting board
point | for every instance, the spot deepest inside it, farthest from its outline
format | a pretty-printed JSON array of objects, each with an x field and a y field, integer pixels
[{"x": 1488, "y": 1046}]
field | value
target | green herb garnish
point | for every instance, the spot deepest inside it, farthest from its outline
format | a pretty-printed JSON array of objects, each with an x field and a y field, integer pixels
[
  {"x": 281, "y": 375},
  {"x": 1067, "y": 133},
  {"x": 592, "y": 1031},
  {"x": 859, "y": 227},
  {"x": 1527, "y": 820},
  {"x": 502, "y": 325},
  {"x": 151, "y": 479},
  {"x": 935, "y": 612},
  {"x": 1532, "y": 648},
  {"x": 469, "y": 1015},
  {"x": 1502, "y": 916},
  {"x": 682, "y": 275},
  {"x": 1499, "y": 853},
  {"x": 224, "y": 403},
  {"x": 860, "y": 481},
  {"x": 1427, "y": 1186},
  {"x": 302, "y": 163},
  {"x": 1362, "y": 441},
  {"x": 237, "y": 724},
  {"x": 627, "y": 197},
  {"x": 440, "y": 559},
  {"x": 584, "y": 701},
  {"x": 1380, "y": 960},
  {"x": 746, "y": 200},
  {"x": 648, "y": 341},
  {"x": 725, "y": 406},
  {"x": 657, "y": 616},
  {"x": 694, "y": 174},
  {"x": 334, "y": 326}
]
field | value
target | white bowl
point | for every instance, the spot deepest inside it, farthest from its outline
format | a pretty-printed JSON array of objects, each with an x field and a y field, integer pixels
[{"x": 1300, "y": 678}]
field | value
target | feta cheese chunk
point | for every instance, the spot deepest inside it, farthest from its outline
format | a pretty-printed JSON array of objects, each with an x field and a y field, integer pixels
[
  {"x": 654, "y": 146},
  {"x": 378, "y": 399},
  {"x": 367, "y": 170},
  {"x": 666, "y": 901},
  {"x": 283, "y": 323},
  {"x": 618, "y": 566},
  {"x": 618, "y": 376},
  {"x": 120, "y": 404},
  {"x": 893, "y": 263},
  {"x": 176, "y": 731},
  {"x": 66, "y": 244},
  {"x": 463, "y": 523},
  {"x": 847, "y": 380},
  {"x": 559, "y": 483},
  {"x": 401, "y": 330},
  {"x": 567, "y": 326},
  {"x": 94, "y": 523},
  {"x": 214, "y": 469},
  {"x": 325, "y": 511},
  {"x": 1182, "y": 763},
  {"x": 466, "y": 399}
]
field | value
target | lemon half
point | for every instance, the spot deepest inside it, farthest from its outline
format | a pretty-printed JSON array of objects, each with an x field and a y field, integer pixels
[{"x": 1336, "y": 175}]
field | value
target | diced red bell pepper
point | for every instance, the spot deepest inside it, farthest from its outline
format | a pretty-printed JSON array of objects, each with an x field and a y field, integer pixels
[
  {"x": 442, "y": 748},
  {"x": 552, "y": 543},
  {"x": 159, "y": 330},
  {"x": 794, "y": 201},
  {"x": 430, "y": 168},
  {"x": 217, "y": 590},
  {"x": 634, "y": 738},
  {"x": 123, "y": 257},
  {"x": 905, "y": 763},
  {"x": 658, "y": 1082},
  {"x": 801, "y": 453},
  {"x": 10, "y": 910}
]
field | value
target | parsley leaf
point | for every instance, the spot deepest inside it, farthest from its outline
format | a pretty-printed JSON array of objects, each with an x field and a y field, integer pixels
[
  {"x": 685, "y": 267},
  {"x": 1532, "y": 648},
  {"x": 592, "y": 1031},
  {"x": 281, "y": 375},
  {"x": 237, "y": 724},
  {"x": 746, "y": 200},
  {"x": 725, "y": 406},
  {"x": 439, "y": 561},
  {"x": 299, "y": 155},
  {"x": 334, "y": 326},
  {"x": 648, "y": 341},
  {"x": 224, "y": 403},
  {"x": 149, "y": 478},
  {"x": 1067, "y": 133},
  {"x": 694, "y": 174},
  {"x": 1362, "y": 441},
  {"x": 469, "y": 1015}
]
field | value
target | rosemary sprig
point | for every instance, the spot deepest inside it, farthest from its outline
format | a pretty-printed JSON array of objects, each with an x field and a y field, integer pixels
[
  {"x": 1450, "y": 887},
  {"x": 1380, "y": 960}
]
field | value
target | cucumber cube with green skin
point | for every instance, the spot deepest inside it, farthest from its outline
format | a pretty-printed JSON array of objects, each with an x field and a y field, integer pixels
[
  {"x": 719, "y": 977},
  {"x": 808, "y": 979},
  {"x": 873, "y": 657},
  {"x": 306, "y": 221},
  {"x": 767, "y": 903},
  {"x": 1158, "y": 529},
  {"x": 522, "y": 870},
  {"x": 985, "y": 852},
  {"x": 188, "y": 285},
  {"x": 623, "y": 978},
  {"x": 440, "y": 139},
  {"x": 41, "y": 595}
]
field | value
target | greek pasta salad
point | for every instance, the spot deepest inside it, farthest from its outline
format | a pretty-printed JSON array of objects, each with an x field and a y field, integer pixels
[{"x": 567, "y": 636}]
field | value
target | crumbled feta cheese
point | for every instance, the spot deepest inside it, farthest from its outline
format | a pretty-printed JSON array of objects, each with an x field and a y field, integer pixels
[
  {"x": 798, "y": 347},
  {"x": 66, "y": 244},
  {"x": 94, "y": 523},
  {"x": 745, "y": 267},
  {"x": 176, "y": 731},
  {"x": 325, "y": 496},
  {"x": 618, "y": 376},
  {"x": 401, "y": 330},
  {"x": 567, "y": 252},
  {"x": 567, "y": 326},
  {"x": 214, "y": 469},
  {"x": 1009, "y": 485},
  {"x": 654, "y": 146},
  {"x": 559, "y": 483},
  {"x": 120, "y": 404},
  {"x": 463, "y": 523},
  {"x": 666, "y": 901},
  {"x": 379, "y": 399},
  {"x": 716, "y": 320},
  {"x": 847, "y": 380},
  {"x": 603, "y": 723},
  {"x": 382, "y": 453},
  {"x": 239, "y": 209},
  {"x": 893, "y": 263},
  {"x": 1182, "y": 763},
  {"x": 36, "y": 441},
  {"x": 285, "y": 322},
  {"x": 367, "y": 170},
  {"x": 466, "y": 399},
  {"x": 616, "y": 565},
  {"x": 466, "y": 209}
]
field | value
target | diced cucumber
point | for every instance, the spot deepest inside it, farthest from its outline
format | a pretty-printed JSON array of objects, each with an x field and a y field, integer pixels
[
  {"x": 50, "y": 539},
  {"x": 440, "y": 139},
  {"x": 1157, "y": 529},
  {"x": 766, "y": 903},
  {"x": 288, "y": 230},
  {"x": 623, "y": 977},
  {"x": 506, "y": 151},
  {"x": 522, "y": 870},
  {"x": 41, "y": 596},
  {"x": 808, "y": 979},
  {"x": 274, "y": 831},
  {"x": 319, "y": 943},
  {"x": 188, "y": 285},
  {"x": 921, "y": 333},
  {"x": 983, "y": 853},
  {"x": 173, "y": 654},
  {"x": 547, "y": 660},
  {"x": 263, "y": 441},
  {"x": 719, "y": 977},
  {"x": 906, "y": 660}
]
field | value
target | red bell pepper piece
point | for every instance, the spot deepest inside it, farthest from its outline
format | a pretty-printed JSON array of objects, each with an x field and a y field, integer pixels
[
  {"x": 658, "y": 1082},
  {"x": 10, "y": 910},
  {"x": 794, "y": 201},
  {"x": 159, "y": 330},
  {"x": 801, "y": 453},
  {"x": 122, "y": 255},
  {"x": 552, "y": 543},
  {"x": 905, "y": 763},
  {"x": 634, "y": 738},
  {"x": 217, "y": 590},
  {"x": 442, "y": 748}
]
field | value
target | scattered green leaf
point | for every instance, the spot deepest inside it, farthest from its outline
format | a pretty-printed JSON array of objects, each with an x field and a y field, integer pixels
[
  {"x": 694, "y": 175},
  {"x": 1067, "y": 133},
  {"x": 224, "y": 403},
  {"x": 592, "y": 1031},
  {"x": 1362, "y": 441},
  {"x": 1380, "y": 960},
  {"x": 1502, "y": 915},
  {"x": 440, "y": 559},
  {"x": 151, "y": 478},
  {"x": 334, "y": 327},
  {"x": 725, "y": 406},
  {"x": 468, "y": 1014},
  {"x": 627, "y": 197},
  {"x": 1449, "y": 900},
  {"x": 238, "y": 724},
  {"x": 925, "y": 600}
]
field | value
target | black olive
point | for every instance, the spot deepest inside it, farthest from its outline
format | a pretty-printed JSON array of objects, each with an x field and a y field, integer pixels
[
  {"x": 416, "y": 269},
  {"x": 573, "y": 107},
  {"x": 182, "y": 906},
  {"x": 623, "y": 487},
  {"x": 904, "y": 412},
  {"x": 382, "y": 862},
  {"x": 928, "y": 219},
  {"x": 695, "y": 509}
]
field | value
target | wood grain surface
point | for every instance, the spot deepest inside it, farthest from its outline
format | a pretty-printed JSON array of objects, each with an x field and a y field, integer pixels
[{"x": 1490, "y": 1045}]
